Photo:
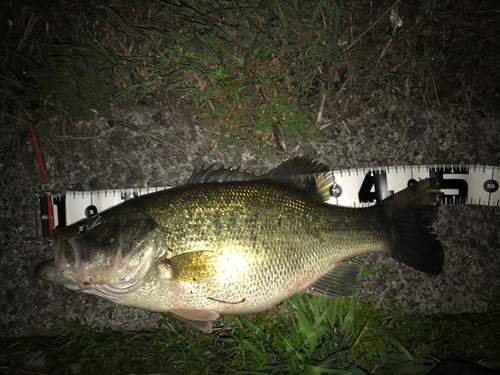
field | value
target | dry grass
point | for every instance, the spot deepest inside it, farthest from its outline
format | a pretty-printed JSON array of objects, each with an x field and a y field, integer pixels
[{"x": 228, "y": 63}]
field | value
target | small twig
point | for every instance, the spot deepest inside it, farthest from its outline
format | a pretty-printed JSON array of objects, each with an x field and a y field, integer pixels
[
  {"x": 320, "y": 112},
  {"x": 435, "y": 90},
  {"x": 96, "y": 137},
  {"x": 488, "y": 10},
  {"x": 427, "y": 355},
  {"x": 340, "y": 119},
  {"x": 373, "y": 24},
  {"x": 55, "y": 148},
  {"x": 31, "y": 23},
  {"x": 341, "y": 89},
  {"x": 352, "y": 31},
  {"x": 17, "y": 118},
  {"x": 360, "y": 334},
  {"x": 343, "y": 123},
  {"x": 184, "y": 338},
  {"x": 152, "y": 136},
  {"x": 426, "y": 105},
  {"x": 395, "y": 68},
  {"x": 262, "y": 94},
  {"x": 258, "y": 88},
  {"x": 278, "y": 135},
  {"x": 250, "y": 130},
  {"x": 494, "y": 18},
  {"x": 389, "y": 43}
]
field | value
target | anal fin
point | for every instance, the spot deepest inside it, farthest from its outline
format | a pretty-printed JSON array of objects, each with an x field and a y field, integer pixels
[
  {"x": 339, "y": 282},
  {"x": 201, "y": 319}
]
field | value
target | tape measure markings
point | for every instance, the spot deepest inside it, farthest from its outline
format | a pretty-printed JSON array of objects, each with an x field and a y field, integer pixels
[{"x": 459, "y": 184}]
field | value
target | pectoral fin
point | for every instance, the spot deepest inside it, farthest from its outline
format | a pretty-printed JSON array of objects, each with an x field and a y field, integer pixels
[
  {"x": 195, "y": 265},
  {"x": 339, "y": 282},
  {"x": 201, "y": 319}
]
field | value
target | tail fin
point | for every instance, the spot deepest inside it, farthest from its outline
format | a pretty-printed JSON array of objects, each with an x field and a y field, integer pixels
[{"x": 412, "y": 212}]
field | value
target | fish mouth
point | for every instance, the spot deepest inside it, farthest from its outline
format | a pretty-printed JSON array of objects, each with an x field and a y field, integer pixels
[
  {"x": 114, "y": 279},
  {"x": 44, "y": 269},
  {"x": 67, "y": 257}
]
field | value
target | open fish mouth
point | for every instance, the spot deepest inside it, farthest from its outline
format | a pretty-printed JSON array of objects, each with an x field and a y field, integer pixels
[
  {"x": 67, "y": 258},
  {"x": 44, "y": 269},
  {"x": 74, "y": 267}
]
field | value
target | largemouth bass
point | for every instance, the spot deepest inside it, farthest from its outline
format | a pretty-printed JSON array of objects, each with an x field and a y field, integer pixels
[{"x": 233, "y": 243}]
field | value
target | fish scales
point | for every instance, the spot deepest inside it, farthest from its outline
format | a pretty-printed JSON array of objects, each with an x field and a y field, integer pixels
[
  {"x": 233, "y": 243},
  {"x": 261, "y": 241}
]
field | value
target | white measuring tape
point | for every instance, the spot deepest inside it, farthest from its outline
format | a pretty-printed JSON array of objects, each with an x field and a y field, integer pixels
[{"x": 358, "y": 187}]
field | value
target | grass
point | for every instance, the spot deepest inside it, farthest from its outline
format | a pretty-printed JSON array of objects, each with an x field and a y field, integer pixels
[
  {"x": 249, "y": 70},
  {"x": 304, "y": 336},
  {"x": 257, "y": 74}
]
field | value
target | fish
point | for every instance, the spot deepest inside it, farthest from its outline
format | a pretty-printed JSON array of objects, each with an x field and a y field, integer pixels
[{"x": 230, "y": 242}]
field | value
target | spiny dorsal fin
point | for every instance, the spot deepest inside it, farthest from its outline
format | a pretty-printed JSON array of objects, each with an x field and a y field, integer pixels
[
  {"x": 322, "y": 185},
  {"x": 295, "y": 167},
  {"x": 222, "y": 174},
  {"x": 295, "y": 172}
]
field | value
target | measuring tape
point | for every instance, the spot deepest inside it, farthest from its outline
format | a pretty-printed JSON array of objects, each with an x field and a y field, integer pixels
[{"x": 358, "y": 187}]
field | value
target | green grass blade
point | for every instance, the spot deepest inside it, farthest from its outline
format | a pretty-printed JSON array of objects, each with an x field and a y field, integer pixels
[
  {"x": 254, "y": 349},
  {"x": 349, "y": 317},
  {"x": 382, "y": 352},
  {"x": 305, "y": 326},
  {"x": 253, "y": 328},
  {"x": 336, "y": 11},
  {"x": 357, "y": 371},
  {"x": 325, "y": 312},
  {"x": 317, "y": 9},
  {"x": 242, "y": 16},
  {"x": 14, "y": 82},
  {"x": 171, "y": 35},
  {"x": 412, "y": 369},
  {"x": 313, "y": 370},
  {"x": 117, "y": 18},
  {"x": 400, "y": 346},
  {"x": 178, "y": 9}
]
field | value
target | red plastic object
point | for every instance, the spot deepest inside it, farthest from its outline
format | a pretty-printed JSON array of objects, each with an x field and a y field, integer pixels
[{"x": 40, "y": 160}]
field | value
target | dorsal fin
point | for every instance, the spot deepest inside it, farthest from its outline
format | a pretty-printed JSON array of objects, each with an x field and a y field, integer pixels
[
  {"x": 292, "y": 172},
  {"x": 222, "y": 174},
  {"x": 297, "y": 172},
  {"x": 295, "y": 167}
]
